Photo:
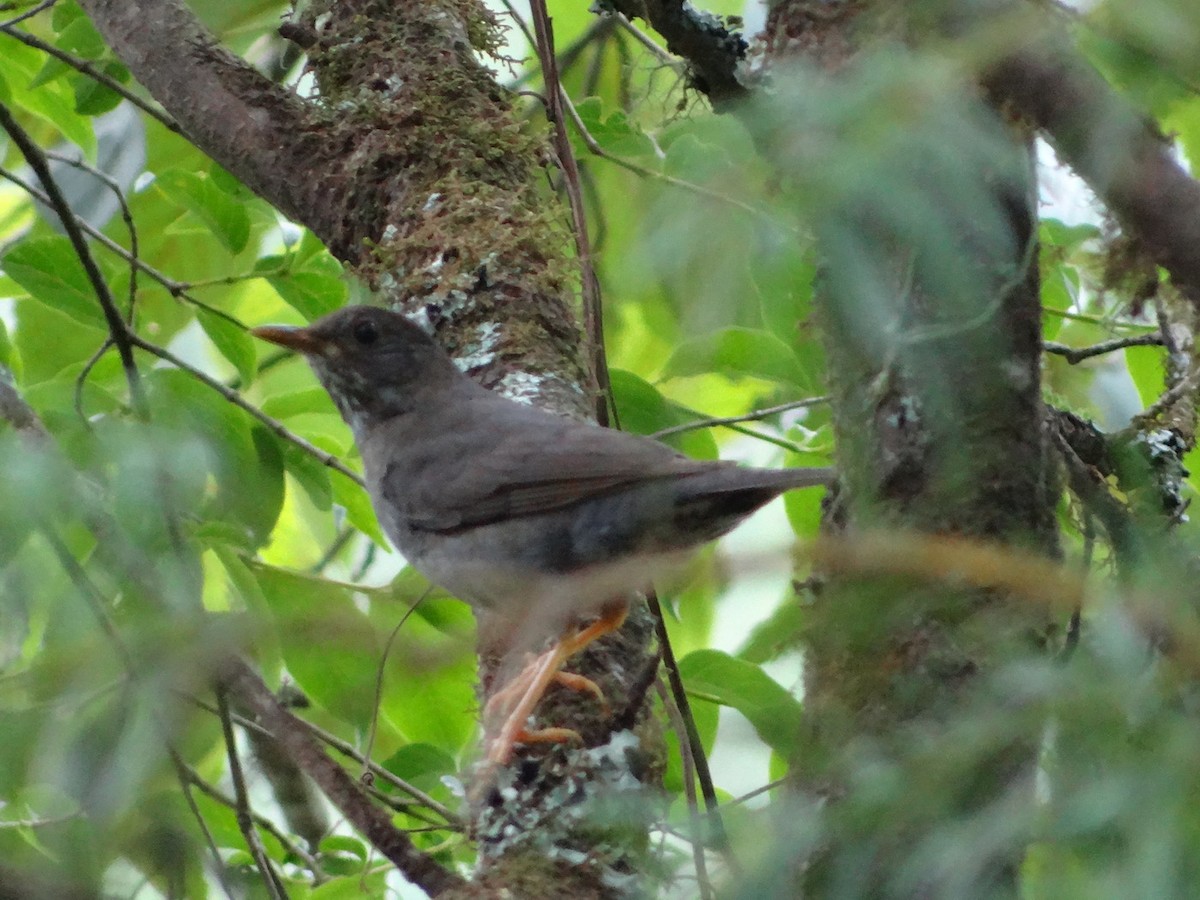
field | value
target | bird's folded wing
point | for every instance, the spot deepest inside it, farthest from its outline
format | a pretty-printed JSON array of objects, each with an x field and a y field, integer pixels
[{"x": 523, "y": 474}]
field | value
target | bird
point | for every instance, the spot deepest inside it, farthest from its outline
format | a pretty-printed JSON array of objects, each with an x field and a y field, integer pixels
[{"x": 544, "y": 523}]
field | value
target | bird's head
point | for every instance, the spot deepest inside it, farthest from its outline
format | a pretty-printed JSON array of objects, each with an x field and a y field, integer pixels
[{"x": 374, "y": 363}]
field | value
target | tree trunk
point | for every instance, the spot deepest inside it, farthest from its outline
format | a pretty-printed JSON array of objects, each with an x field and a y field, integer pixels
[{"x": 931, "y": 322}]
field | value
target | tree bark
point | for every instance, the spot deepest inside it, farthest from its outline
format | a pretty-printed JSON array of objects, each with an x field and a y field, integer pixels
[
  {"x": 932, "y": 331},
  {"x": 414, "y": 170}
]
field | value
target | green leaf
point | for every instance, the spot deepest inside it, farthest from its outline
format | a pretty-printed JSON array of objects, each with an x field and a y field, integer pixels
[
  {"x": 225, "y": 216},
  {"x": 615, "y": 133},
  {"x": 93, "y": 98},
  {"x": 328, "y": 644},
  {"x": 232, "y": 342},
  {"x": 311, "y": 474},
  {"x": 9, "y": 358},
  {"x": 431, "y": 704},
  {"x": 740, "y": 353},
  {"x": 357, "y": 505},
  {"x": 55, "y": 103},
  {"x": 774, "y": 713},
  {"x": 51, "y": 272},
  {"x": 243, "y": 457},
  {"x": 421, "y": 765},
  {"x": 295, "y": 403},
  {"x": 312, "y": 294},
  {"x": 643, "y": 410},
  {"x": 81, "y": 38},
  {"x": 1146, "y": 368}
]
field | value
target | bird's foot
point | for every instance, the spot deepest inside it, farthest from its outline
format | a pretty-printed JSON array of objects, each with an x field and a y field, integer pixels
[{"x": 517, "y": 699}]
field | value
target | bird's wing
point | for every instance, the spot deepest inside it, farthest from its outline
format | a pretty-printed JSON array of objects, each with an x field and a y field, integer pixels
[{"x": 509, "y": 472}]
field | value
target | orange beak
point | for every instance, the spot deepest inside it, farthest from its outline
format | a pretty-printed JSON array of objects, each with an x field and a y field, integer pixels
[{"x": 291, "y": 336}]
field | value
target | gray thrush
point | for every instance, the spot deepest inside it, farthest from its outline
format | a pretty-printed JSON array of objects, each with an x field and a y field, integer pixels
[{"x": 536, "y": 520}]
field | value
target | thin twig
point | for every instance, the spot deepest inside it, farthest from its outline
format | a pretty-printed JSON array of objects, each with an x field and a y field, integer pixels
[
  {"x": 689, "y": 789},
  {"x": 242, "y": 814},
  {"x": 347, "y": 750},
  {"x": 237, "y": 400},
  {"x": 387, "y": 649},
  {"x": 339, "y": 543},
  {"x": 691, "y": 735},
  {"x": 82, "y": 65},
  {"x": 595, "y": 148},
  {"x": 746, "y": 417},
  {"x": 750, "y": 795},
  {"x": 593, "y": 310},
  {"x": 28, "y": 14},
  {"x": 345, "y": 794},
  {"x": 663, "y": 56},
  {"x": 41, "y": 823},
  {"x": 1074, "y": 355},
  {"x": 186, "y": 777},
  {"x": 126, "y": 216},
  {"x": 116, "y": 325}
]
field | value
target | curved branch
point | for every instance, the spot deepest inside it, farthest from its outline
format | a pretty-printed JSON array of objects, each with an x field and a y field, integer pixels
[
  {"x": 712, "y": 50},
  {"x": 116, "y": 325},
  {"x": 1120, "y": 154},
  {"x": 337, "y": 785},
  {"x": 248, "y": 124}
]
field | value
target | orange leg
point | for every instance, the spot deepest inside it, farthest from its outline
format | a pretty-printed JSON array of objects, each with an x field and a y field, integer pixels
[{"x": 532, "y": 682}]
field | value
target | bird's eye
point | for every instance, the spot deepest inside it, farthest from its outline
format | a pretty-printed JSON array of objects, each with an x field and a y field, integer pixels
[{"x": 365, "y": 332}]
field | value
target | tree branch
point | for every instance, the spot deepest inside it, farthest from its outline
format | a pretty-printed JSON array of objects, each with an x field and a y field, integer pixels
[
  {"x": 249, "y": 125},
  {"x": 116, "y": 325},
  {"x": 333, "y": 780},
  {"x": 1120, "y": 154},
  {"x": 712, "y": 50}
]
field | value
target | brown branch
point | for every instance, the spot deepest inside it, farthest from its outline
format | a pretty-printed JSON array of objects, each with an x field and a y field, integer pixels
[
  {"x": 1075, "y": 355},
  {"x": 593, "y": 309},
  {"x": 236, "y": 115},
  {"x": 237, "y": 677},
  {"x": 711, "y": 49},
  {"x": 242, "y": 813},
  {"x": 17, "y": 413},
  {"x": 1121, "y": 154},
  {"x": 116, "y": 325}
]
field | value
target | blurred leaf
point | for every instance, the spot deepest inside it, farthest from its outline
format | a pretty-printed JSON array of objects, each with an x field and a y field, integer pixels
[
  {"x": 328, "y": 645},
  {"x": 293, "y": 403},
  {"x": 311, "y": 474},
  {"x": 422, "y": 766},
  {"x": 643, "y": 410},
  {"x": 740, "y": 352},
  {"x": 776, "y": 634},
  {"x": 232, "y": 342},
  {"x": 93, "y": 98},
  {"x": 50, "y": 271},
  {"x": 774, "y": 713},
  {"x": 242, "y": 456},
  {"x": 224, "y": 215},
  {"x": 357, "y": 505},
  {"x": 312, "y": 294}
]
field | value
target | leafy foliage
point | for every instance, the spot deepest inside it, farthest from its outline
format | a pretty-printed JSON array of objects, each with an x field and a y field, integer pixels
[{"x": 134, "y": 552}]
